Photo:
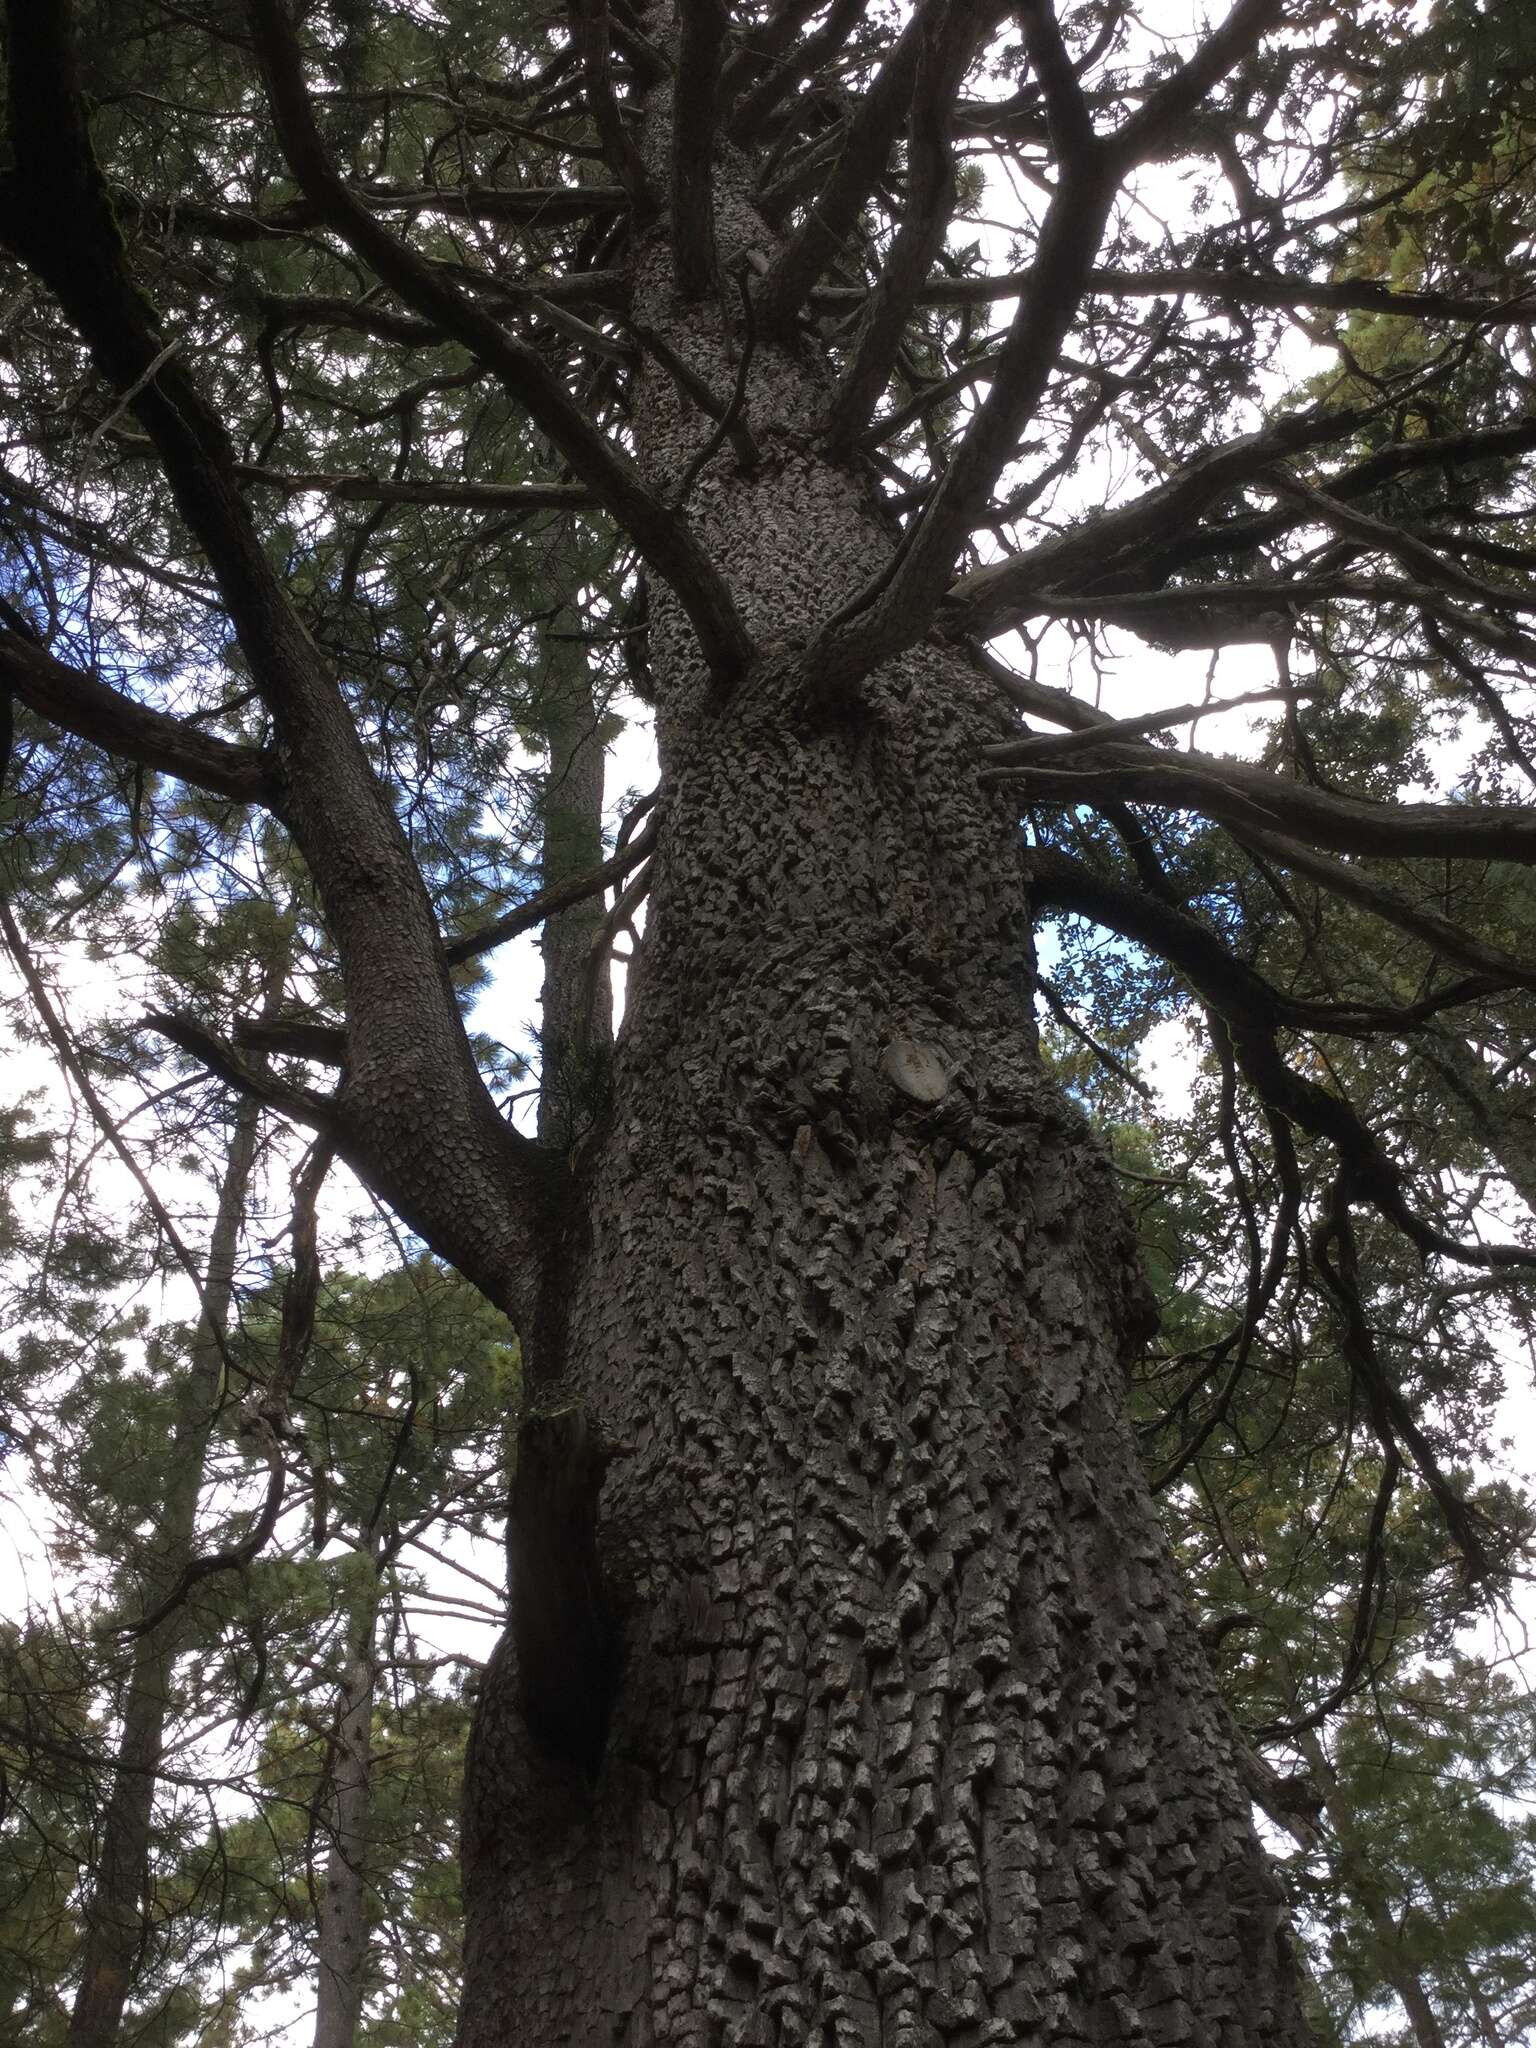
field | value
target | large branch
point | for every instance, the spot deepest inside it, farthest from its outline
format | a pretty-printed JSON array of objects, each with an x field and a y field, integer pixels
[
  {"x": 1242, "y": 796},
  {"x": 793, "y": 64},
  {"x": 1487, "y": 964},
  {"x": 1061, "y": 882},
  {"x": 1262, "y": 609},
  {"x": 84, "y": 705},
  {"x": 1162, "y": 117},
  {"x": 661, "y": 534},
  {"x": 1240, "y": 286},
  {"x": 991, "y": 599},
  {"x": 1397, "y": 459},
  {"x": 899, "y": 605},
  {"x": 941, "y": 64},
  {"x": 414, "y": 1091},
  {"x": 591, "y": 35},
  {"x": 603, "y": 289},
  {"x": 834, "y": 212},
  {"x": 526, "y": 205},
  {"x": 1252, "y": 1011},
  {"x": 1439, "y": 934},
  {"x": 463, "y": 492}
]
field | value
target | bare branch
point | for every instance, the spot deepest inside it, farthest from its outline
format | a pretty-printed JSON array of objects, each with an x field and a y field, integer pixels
[
  {"x": 941, "y": 64},
  {"x": 84, "y": 705},
  {"x": 899, "y": 605},
  {"x": 463, "y": 492},
  {"x": 803, "y": 60},
  {"x": 1170, "y": 104},
  {"x": 1002, "y": 593},
  {"x": 661, "y": 534},
  {"x": 550, "y": 902},
  {"x": 591, "y": 32},
  {"x": 832, "y": 215},
  {"x": 1244, "y": 796}
]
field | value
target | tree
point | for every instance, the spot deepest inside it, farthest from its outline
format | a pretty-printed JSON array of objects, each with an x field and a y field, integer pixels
[{"x": 849, "y": 1693}]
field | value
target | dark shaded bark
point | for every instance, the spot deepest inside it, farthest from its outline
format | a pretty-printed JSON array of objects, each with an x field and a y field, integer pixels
[{"x": 912, "y": 1741}]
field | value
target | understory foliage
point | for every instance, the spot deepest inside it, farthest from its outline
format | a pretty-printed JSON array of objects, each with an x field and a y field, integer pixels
[{"x": 1188, "y": 363}]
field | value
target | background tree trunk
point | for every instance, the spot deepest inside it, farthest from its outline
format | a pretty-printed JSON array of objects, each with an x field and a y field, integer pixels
[
  {"x": 576, "y": 1007},
  {"x": 1390, "y": 1955},
  {"x": 114, "y": 1909},
  {"x": 341, "y": 1908}
]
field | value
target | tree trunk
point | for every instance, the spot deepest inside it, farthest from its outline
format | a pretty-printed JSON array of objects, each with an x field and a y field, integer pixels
[
  {"x": 341, "y": 1908},
  {"x": 1392, "y": 1961},
  {"x": 114, "y": 1910},
  {"x": 576, "y": 1006},
  {"x": 910, "y": 1740}
]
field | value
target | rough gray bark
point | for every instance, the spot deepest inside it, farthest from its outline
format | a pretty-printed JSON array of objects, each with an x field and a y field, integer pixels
[
  {"x": 115, "y": 1926},
  {"x": 911, "y": 1741}
]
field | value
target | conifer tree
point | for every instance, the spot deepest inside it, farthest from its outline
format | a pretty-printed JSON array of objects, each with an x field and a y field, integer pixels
[{"x": 872, "y": 382}]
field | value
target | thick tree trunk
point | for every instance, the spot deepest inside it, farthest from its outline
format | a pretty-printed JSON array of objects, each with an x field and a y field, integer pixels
[
  {"x": 114, "y": 1910},
  {"x": 849, "y": 1697},
  {"x": 911, "y": 1740}
]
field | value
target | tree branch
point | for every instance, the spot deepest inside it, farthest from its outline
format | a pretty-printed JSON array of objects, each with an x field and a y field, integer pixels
[
  {"x": 1251, "y": 1010},
  {"x": 661, "y": 534},
  {"x": 941, "y": 64},
  {"x": 84, "y": 705},
  {"x": 833, "y": 214},
  {"x": 695, "y": 114},
  {"x": 591, "y": 35},
  {"x": 991, "y": 599},
  {"x": 550, "y": 902},
  {"x": 465, "y": 493},
  {"x": 899, "y": 605},
  {"x": 1242, "y": 796}
]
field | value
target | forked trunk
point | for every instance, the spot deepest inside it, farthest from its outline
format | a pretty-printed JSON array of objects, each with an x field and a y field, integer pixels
[{"x": 910, "y": 1740}]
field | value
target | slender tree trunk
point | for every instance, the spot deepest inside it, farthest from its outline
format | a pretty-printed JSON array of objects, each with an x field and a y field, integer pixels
[
  {"x": 576, "y": 1010},
  {"x": 910, "y": 1740},
  {"x": 1487, "y": 2024},
  {"x": 576, "y": 1020},
  {"x": 341, "y": 1909},
  {"x": 1393, "y": 1964},
  {"x": 114, "y": 1910}
]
